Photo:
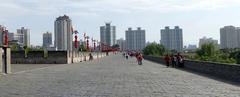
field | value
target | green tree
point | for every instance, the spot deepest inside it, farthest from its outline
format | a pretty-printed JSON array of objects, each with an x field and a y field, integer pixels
[
  {"x": 26, "y": 50},
  {"x": 82, "y": 48},
  {"x": 45, "y": 53},
  {"x": 115, "y": 46},
  {"x": 14, "y": 47},
  {"x": 237, "y": 57},
  {"x": 154, "y": 49},
  {"x": 207, "y": 51}
]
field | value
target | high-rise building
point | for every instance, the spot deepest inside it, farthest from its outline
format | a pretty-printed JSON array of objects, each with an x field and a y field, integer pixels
[
  {"x": 47, "y": 39},
  {"x": 135, "y": 39},
  {"x": 63, "y": 33},
  {"x": 10, "y": 36},
  {"x": 172, "y": 39},
  {"x": 108, "y": 34},
  {"x": 23, "y": 37},
  {"x": 122, "y": 44},
  {"x": 206, "y": 40},
  {"x": 191, "y": 46},
  {"x": 229, "y": 37},
  {"x": 238, "y": 36},
  {"x": 2, "y": 29}
]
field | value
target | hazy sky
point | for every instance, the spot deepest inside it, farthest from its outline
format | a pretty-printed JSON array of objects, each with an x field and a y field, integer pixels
[{"x": 197, "y": 18}]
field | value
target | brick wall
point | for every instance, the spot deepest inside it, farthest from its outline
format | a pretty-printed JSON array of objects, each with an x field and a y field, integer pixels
[
  {"x": 37, "y": 57},
  {"x": 54, "y": 57}
]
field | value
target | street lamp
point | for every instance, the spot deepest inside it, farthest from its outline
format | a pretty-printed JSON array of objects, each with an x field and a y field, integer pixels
[
  {"x": 87, "y": 37},
  {"x": 76, "y": 39},
  {"x": 5, "y": 32},
  {"x": 94, "y": 45}
]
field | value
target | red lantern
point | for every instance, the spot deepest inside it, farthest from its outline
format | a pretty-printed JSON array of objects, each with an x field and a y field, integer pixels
[
  {"x": 6, "y": 37},
  {"x": 94, "y": 45},
  {"x": 87, "y": 44},
  {"x": 76, "y": 42},
  {"x": 76, "y": 39}
]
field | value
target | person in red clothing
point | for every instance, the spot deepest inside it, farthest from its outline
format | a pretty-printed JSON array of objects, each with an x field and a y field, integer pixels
[
  {"x": 139, "y": 58},
  {"x": 167, "y": 60}
]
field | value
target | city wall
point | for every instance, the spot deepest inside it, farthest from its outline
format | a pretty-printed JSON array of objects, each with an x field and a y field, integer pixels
[
  {"x": 5, "y": 64},
  {"x": 53, "y": 57},
  {"x": 223, "y": 71}
]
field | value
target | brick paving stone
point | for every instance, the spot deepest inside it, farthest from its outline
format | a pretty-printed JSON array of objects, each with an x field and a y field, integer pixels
[{"x": 113, "y": 76}]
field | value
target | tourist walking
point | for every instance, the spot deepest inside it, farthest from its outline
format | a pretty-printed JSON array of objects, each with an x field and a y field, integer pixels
[
  {"x": 173, "y": 60},
  {"x": 126, "y": 56},
  {"x": 167, "y": 60},
  {"x": 139, "y": 59},
  {"x": 180, "y": 61},
  {"x": 90, "y": 57}
]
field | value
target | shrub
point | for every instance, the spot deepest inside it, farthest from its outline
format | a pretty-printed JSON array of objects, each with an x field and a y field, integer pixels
[
  {"x": 237, "y": 57},
  {"x": 207, "y": 50},
  {"x": 154, "y": 49}
]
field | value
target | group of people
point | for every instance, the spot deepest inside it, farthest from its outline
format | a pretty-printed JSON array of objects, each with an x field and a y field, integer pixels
[
  {"x": 138, "y": 56},
  {"x": 174, "y": 60},
  {"x": 125, "y": 55}
]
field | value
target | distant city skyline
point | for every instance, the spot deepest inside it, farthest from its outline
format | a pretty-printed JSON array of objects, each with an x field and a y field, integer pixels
[{"x": 197, "y": 18}]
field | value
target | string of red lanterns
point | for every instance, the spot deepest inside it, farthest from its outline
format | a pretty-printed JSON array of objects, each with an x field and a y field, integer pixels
[{"x": 102, "y": 46}]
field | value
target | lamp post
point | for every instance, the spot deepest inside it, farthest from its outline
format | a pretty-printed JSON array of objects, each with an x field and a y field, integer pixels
[
  {"x": 94, "y": 45},
  {"x": 84, "y": 36},
  {"x": 6, "y": 65},
  {"x": 76, "y": 43},
  {"x": 91, "y": 45},
  {"x": 97, "y": 45},
  {"x": 87, "y": 37},
  {"x": 76, "y": 39},
  {"x": 6, "y": 38}
]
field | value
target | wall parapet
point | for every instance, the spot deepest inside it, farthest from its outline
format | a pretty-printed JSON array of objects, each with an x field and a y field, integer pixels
[
  {"x": 223, "y": 71},
  {"x": 53, "y": 57}
]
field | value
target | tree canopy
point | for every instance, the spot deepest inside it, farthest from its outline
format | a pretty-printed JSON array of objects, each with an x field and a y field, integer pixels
[{"x": 154, "y": 49}]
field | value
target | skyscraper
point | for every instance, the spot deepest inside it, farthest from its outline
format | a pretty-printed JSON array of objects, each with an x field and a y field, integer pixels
[
  {"x": 47, "y": 39},
  {"x": 229, "y": 37},
  {"x": 23, "y": 37},
  {"x": 108, "y": 34},
  {"x": 63, "y": 34},
  {"x": 238, "y": 36},
  {"x": 2, "y": 28},
  {"x": 122, "y": 44},
  {"x": 10, "y": 36},
  {"x": 172, "y": 39},
  {"x": 135, "y": 39},
  {"x": 191, "y": 46}
]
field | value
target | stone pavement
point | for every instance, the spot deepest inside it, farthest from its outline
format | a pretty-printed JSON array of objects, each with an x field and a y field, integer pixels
[
  {"x": 18, "y": 68},
  {"x": 112, "y": 76}
]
